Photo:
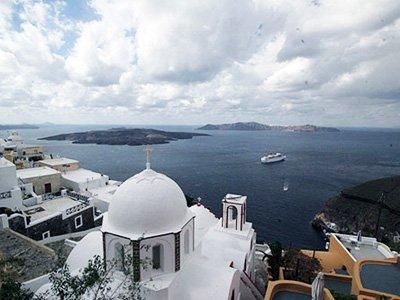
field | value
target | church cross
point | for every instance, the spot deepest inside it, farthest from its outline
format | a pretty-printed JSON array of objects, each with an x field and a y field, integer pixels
[{"x": 148, "y": 150}]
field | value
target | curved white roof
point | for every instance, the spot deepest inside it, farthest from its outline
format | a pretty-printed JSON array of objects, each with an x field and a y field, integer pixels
[
  {"x": 147, "y": 204},
  {"x": 87, "y": 248}
]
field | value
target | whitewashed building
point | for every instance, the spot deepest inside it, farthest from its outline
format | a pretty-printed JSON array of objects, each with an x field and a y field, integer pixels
[
  {"x": 44, "y": 180},
  {"x": 98, "y": 187},
  {"x": 61, "y": 164},
  {"x": 192, "y": 254},
  {"x": 83, "y": 180},
  {"x": 42, "y": 215},
  {"x": 23, "y": 155},
  {"x": 10, "y": 192}
]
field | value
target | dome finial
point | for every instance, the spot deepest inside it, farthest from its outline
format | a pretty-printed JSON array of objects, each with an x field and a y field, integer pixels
[{"x": 148, "y": 150}]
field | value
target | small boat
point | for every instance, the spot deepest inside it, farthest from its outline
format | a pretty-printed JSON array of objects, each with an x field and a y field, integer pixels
[{"x": 270, "y": 158}]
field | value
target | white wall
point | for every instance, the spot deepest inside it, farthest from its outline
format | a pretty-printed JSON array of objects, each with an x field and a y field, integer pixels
[
  {"x": 15, "y": 201},
  {"x": 236, "y": 286},
  {"x": 82, "y": 186},
  {"x": 111, "y": 241},
  {"x": 8, "y": 176},
  {"x": 250, "y": 258},
  {"x": 100, "y": 204},
  {"x": 168, "y": 243},
  {"x": 70, "y": 184},
  {"x": 189, "y": 228},
  {"x": 93, "y": 184},
  {"x": 4, "y": 221},
  {"x": 36, "y": 283}
]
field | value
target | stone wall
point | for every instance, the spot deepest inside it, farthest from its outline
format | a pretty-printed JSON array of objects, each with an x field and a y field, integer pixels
[{"x": 36, "y": 259}]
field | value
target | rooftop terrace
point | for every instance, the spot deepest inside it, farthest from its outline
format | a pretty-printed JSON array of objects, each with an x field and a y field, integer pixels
[
  {"x": 51, "y": 207},
  {"x": 81, "y": 175},
  {"x": 59, "y": 161},
  {"x": 368, "y": 248},
  {"x": 35, "y": 172}
]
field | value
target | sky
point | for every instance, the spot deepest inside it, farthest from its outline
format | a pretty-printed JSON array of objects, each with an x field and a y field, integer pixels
[{"x": 332, "y": 63}]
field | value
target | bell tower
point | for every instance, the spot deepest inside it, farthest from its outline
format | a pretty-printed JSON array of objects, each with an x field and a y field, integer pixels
[{"x": 234, "y": 211}]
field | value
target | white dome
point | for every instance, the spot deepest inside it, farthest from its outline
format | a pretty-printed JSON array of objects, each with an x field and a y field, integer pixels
[{"x": 147, "y": 204}]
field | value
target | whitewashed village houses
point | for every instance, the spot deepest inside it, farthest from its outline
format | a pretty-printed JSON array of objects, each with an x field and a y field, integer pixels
[
  {"x": 15, "y": 150},
  {"x": 95, "y": 186},
  {"x": 29, "y": 206},
  {"x": 192, "y": 254}
]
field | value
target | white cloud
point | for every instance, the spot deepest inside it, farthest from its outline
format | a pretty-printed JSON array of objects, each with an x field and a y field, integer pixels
[
  {"x": 101, "y": 54},
  {"x": 190, "y": 61}
]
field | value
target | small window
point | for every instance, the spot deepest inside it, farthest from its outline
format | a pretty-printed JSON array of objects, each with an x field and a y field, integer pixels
[
  {"x": 78, "y": 222},
  {"x": 157, "y": 257},
  {"x": 120, "y": 257},
  {"x": 45, "y": 235}
]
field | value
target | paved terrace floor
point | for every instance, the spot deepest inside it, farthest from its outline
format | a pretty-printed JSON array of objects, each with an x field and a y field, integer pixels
[
  {"x": 383, "y": 278},
  {"x": 364, "y": 251}
]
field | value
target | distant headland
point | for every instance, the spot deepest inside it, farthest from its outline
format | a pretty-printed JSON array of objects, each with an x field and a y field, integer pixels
[
  {"x": 123, "y": 136},
  {"x": 18, "y": 126},
  {"x": 254, "y": 126}
]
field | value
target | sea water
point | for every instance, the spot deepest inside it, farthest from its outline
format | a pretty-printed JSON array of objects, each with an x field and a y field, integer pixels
[{"x": 282, "y": 197}]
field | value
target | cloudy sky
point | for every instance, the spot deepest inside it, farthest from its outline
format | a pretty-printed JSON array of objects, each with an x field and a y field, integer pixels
[{"x": 207, "y": 61}]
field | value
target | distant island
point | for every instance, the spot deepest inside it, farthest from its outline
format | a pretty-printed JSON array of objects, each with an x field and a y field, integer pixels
[
  {"x": 357, "y": 208},
  {"x": 123, "y": 136},
  {"x": 18, "y": 126},
  {"x": 254, "y": 126}
]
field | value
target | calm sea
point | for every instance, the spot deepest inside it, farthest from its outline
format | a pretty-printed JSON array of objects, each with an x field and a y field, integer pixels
[{"x": 282, "y": 197}]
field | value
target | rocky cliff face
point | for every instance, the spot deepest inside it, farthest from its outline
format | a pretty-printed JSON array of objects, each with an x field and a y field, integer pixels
[{"x": 357, "y": 208}]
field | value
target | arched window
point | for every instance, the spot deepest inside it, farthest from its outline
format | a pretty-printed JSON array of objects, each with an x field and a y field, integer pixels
[
  {"x": 158, "y": 256},
  {"x": 120, "y": 257},
  {"x": 186, "y": 242}
]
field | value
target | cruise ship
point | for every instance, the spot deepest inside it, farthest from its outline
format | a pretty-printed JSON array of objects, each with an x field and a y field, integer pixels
[{"x": 271, "y": 158}]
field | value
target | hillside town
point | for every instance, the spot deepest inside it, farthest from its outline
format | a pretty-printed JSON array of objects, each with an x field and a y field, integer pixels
[
  {"x": 54, "y": 213},
  {"x": 199, "y": 150}
]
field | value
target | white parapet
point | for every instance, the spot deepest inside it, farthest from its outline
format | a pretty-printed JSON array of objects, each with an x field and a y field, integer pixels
[{"x": 3, "y": 221}]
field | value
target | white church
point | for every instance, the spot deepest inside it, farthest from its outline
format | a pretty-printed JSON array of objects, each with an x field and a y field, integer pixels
[{"x": 191, "y": 253}]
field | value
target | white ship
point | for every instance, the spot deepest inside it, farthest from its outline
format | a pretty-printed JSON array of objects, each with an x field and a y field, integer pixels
[{"x": 270, "y": 158}]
